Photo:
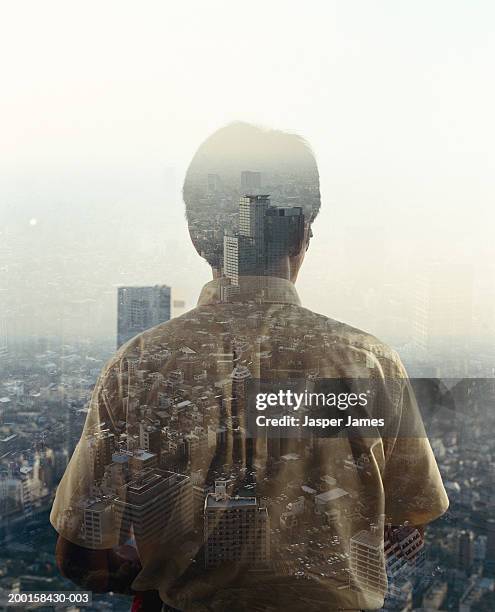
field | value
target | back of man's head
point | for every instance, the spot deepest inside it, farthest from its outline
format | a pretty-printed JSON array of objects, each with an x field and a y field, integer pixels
[{"x": 241, "y": 159}]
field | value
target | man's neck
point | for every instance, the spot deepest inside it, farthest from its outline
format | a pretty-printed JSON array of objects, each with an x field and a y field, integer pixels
[{"x": 281, "y": 269}]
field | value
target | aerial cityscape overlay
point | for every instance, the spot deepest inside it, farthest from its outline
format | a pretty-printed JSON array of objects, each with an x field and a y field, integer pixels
[{"x": 172, "y": 471}]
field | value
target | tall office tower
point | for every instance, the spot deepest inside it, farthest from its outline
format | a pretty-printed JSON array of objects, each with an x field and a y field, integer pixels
[
  {"x": 239, "y": 257},
  {"x": 283, "y": 232},
  {"x": 250, "y": 181},
  {"x": 158, "y": 505},
  {"x": 236, "y": 529},
  {"x": 367, "y": 562},
  {"x": 266, "y": 235},
  {"x": 140, "y": 308},
  {"x": 252, "y": 211}
]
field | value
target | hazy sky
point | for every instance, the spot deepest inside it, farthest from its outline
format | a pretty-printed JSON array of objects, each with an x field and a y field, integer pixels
[{"x": 103, "y": 104}]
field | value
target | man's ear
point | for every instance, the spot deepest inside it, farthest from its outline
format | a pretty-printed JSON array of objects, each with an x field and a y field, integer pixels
[
  {"x": 298, "y": 241},
  {"x": 308, "y": 235}
]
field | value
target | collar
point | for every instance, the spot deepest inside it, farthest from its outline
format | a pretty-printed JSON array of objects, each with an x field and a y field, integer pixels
[{"x": 262, "y": 289}]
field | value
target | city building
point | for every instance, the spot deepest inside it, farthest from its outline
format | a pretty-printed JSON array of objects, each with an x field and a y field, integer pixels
[
  {"x": 141, "y": 459},
  {"x": 404, "y": 552},
  {"x": 140, "y": 308},
  {"x": 98, "y": 522},
  {"x": 283, "y": 231},
  {"x": 156, "y": 504},
  {"x": 149, "y": 438},
  {"x": 236, "y": 529},
  {"x": 239, "y": 257},
  {"x": 325, "y": 501},
  {"x": 252, "y": 212},
  {"x": 465, "y": 550},
  {"x": 267, "y": 234},
  {"x": 101, "y": 447},
  {"x": 367, "y": 562}
]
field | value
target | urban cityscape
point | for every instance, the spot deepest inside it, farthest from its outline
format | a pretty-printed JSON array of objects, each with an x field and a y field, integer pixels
[
  {"x": 247, "y": 306},
  {"x": 179, "y": 469}
]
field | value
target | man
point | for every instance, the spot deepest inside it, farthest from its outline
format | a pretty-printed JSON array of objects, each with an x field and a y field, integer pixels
[{"x": 190, "y": 482}]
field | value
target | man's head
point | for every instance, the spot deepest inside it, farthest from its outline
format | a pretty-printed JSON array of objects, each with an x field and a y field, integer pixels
[{"x": 244, "y": 160}]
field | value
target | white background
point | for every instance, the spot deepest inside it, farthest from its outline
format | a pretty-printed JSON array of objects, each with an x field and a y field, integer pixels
[{"x": 103, "y": 104}]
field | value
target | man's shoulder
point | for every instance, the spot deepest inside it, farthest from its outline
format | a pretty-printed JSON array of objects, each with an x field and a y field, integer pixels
[
  {"x": 204, "y": 322},
  {"x": 338, "y": 333},
  {"x": 161, "y": 335}
]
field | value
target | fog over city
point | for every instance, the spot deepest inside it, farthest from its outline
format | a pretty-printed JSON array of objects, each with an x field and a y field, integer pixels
[{"x": 395, "y": 101}]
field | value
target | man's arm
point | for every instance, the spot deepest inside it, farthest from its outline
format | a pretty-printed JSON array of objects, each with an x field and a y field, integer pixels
[{"x": 100, "y": 571}]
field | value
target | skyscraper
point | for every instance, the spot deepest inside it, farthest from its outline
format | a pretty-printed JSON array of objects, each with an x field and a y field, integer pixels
[
  {"x": 283, "y": 231},
  {"x": 267, "y": 234},
  {"x": 140, "y": 308},
  {"x": 239, "y": 257},
  {"x": 252, "y": 210}
]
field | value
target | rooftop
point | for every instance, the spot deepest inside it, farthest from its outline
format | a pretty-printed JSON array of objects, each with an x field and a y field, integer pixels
[
  {"x": 219, "y": 501},
  {"x": 373, "y": 539},
  {"x": 331, "y": 495}
]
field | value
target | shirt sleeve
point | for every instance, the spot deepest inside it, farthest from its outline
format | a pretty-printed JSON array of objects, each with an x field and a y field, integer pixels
[
  {"x": 83, "y": 512},
  {"x": 414, "y": 490}
]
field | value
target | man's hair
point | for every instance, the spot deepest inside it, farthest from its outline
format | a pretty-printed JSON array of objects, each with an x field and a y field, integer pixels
[{"x": 241, "y": 159}]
